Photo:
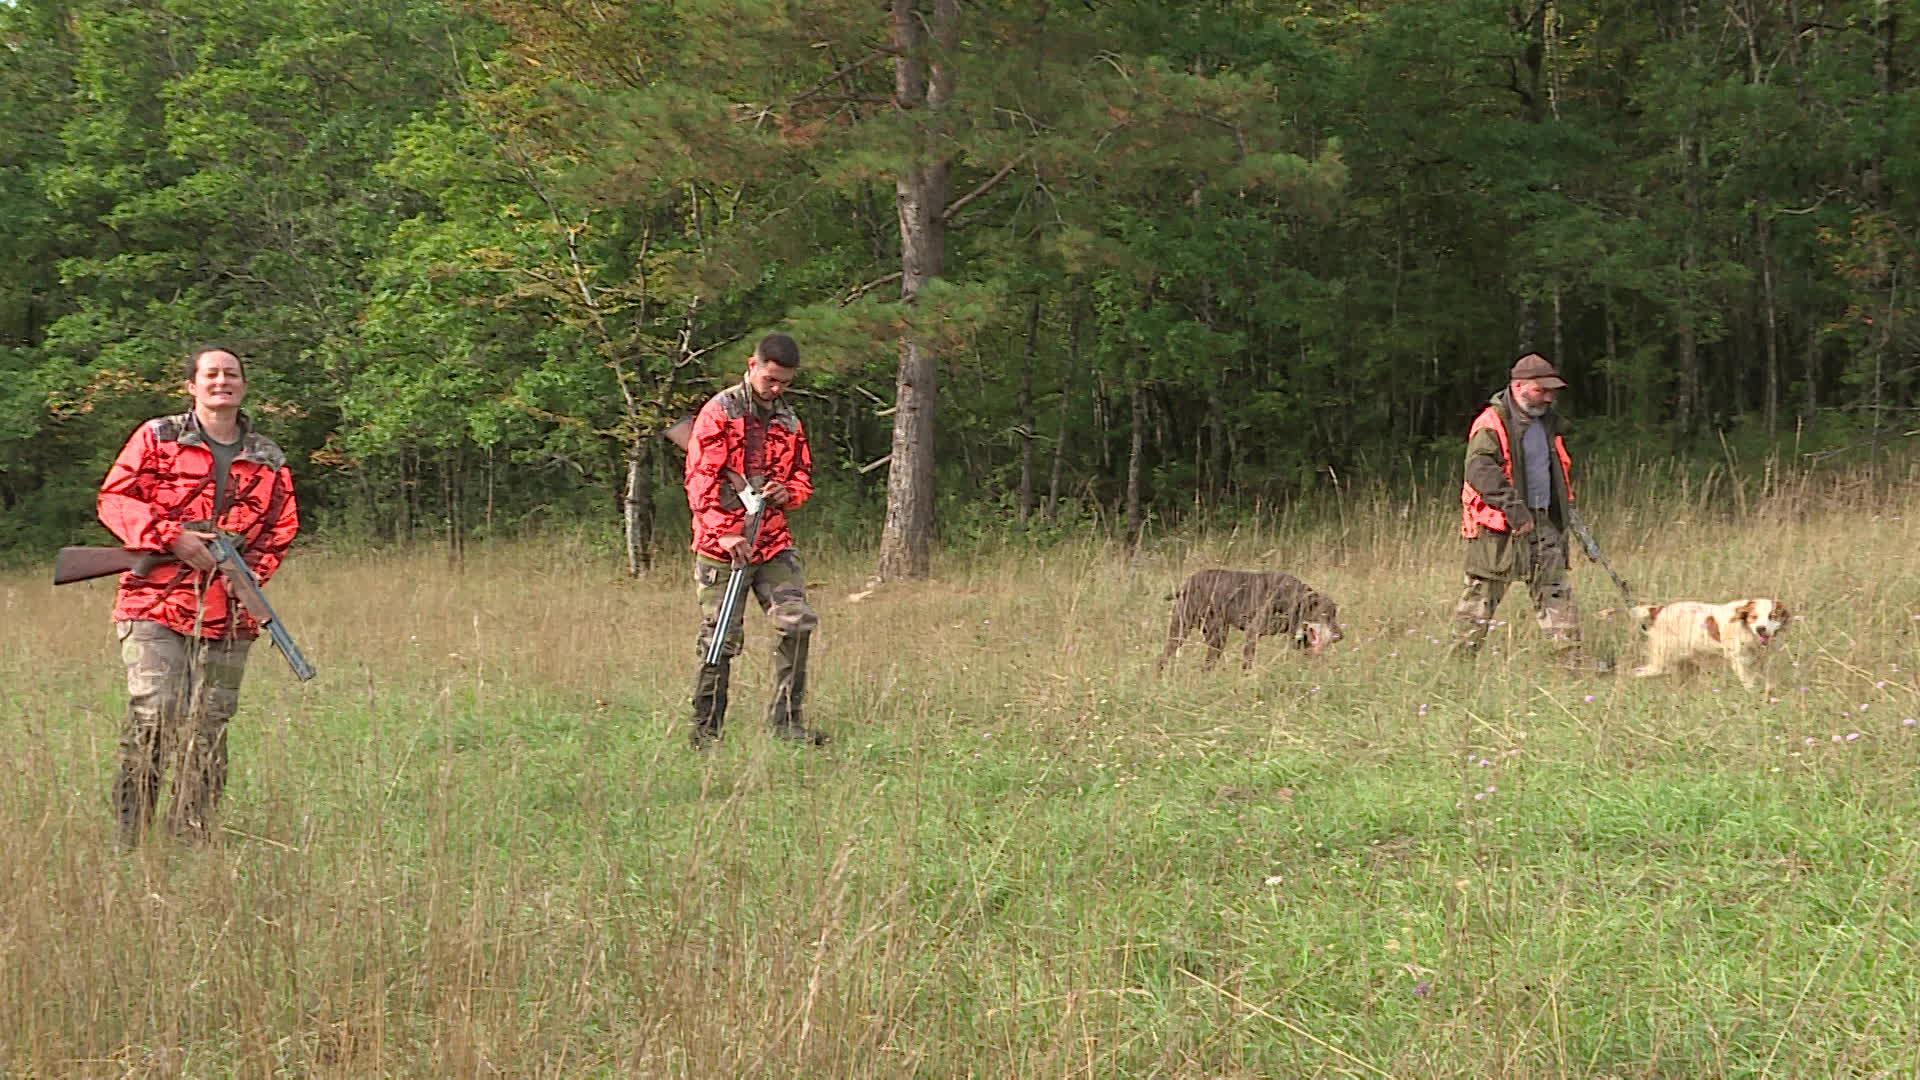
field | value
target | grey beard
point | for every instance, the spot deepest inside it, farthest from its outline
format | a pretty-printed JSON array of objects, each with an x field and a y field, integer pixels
[{"x": 1535, "y": 411}]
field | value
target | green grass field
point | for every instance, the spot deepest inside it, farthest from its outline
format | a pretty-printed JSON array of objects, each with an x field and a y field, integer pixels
[{"x": 478, "y": 844}]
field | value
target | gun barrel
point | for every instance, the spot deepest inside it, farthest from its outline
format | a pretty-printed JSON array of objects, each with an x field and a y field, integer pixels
[
  {"x": 296, "y": 660},
  {"x": 1590, "y": 545},
  {"x": 240, "y": 576},
  {"x": 729, "y": 609}
]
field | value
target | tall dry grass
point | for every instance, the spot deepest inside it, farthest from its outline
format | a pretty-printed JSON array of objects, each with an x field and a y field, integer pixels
[{"x": 478, "y": 844}]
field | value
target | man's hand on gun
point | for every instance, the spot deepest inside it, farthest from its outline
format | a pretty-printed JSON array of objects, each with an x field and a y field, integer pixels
[
  {"x": 192, "y": 549},
  {"x": 753, "y": 500},
  {"x": 776, "y": 493}
]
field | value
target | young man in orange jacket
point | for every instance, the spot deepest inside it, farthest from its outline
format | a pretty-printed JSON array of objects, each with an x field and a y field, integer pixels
[
  {"x": 751, "y": 431},
  {"x": 1514, "y": 509},
  {"x": 183, "y": 636}
]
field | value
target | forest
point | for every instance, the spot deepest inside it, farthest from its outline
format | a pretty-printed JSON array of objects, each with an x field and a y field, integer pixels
[{"x": 1054, "y": 266}]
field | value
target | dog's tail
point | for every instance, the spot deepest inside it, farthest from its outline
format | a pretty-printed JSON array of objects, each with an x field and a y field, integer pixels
[{"x": 1644, "y": 614}]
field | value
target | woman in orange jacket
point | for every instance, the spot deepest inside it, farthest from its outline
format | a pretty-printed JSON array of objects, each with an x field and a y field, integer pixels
[{"x": 183, "y": 636}]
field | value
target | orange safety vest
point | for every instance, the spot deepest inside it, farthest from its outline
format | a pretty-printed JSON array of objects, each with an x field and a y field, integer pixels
[{"x": 1475, "y": 513}]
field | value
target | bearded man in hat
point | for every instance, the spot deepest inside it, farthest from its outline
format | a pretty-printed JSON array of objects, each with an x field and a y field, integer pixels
[{"x": 1514, "y": 510}]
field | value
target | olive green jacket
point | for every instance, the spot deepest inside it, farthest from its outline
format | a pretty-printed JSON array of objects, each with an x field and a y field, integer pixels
[{"x": 1494, "y": 554}]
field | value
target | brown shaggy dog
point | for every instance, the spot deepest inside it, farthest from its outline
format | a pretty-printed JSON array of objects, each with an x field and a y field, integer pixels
[{"x": 1257, "y": 603}]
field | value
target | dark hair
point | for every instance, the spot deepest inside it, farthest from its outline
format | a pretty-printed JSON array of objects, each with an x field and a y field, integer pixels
[
  {"x": 778, "y": 349},
  {"x": 193, "y": 359}
]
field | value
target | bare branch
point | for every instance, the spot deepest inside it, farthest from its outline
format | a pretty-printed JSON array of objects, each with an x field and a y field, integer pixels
[
  {"x": 845, "y": 70},
  {"x": 859, "y": 291},
  {"x": 987, "y": 185}
]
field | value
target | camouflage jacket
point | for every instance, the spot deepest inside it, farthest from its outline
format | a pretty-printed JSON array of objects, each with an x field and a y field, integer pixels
[
  {"x": 764, "y": 444},
  {"x": 161, "y": 482}
]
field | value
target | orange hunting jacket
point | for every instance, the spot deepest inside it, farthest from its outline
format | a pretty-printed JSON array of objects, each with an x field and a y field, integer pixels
[
  {"x": 163, "y": 480},
  {"x": 726, "y": 430}
]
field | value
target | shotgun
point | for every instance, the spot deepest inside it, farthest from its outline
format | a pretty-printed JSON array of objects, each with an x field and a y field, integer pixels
[
  {"x": 680, "y": 434},
  {"x": 1592, "y": 547},
  {"x": 86, "y": 563}
]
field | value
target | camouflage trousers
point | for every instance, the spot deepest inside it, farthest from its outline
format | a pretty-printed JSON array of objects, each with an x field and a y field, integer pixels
[
  {"x": 780, "y": 585},
  {"x": 1543, "y": 566},
  {"x": 181, "y": 691}
]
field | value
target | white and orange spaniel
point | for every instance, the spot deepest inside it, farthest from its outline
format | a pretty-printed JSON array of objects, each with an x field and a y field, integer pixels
[{"x": 1687, "y": 631}]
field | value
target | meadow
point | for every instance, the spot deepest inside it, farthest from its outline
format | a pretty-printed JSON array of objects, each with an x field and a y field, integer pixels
[{"x": 479, "y": 845}]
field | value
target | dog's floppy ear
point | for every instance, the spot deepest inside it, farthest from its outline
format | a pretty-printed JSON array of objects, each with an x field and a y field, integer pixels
[
  {"x": 1744, "y": 613},
  {"x": 1780, "y": 611},
  {"x": 1713, "y": 628}
]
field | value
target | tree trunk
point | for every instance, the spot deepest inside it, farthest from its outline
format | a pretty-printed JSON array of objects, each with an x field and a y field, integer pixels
[
  {"x": 1613, "y": 358},
  {"x": 906, "y": 538},
  {"x": 1214, "y": 485},
  {"x": 490, "y": 478},
  {"x": 410, "y": 489},
  {"x": 1770, "y": 320},
  {"x": 638, "y": 508},
  {"x": 379, "y": 522},
  {"x": 1060, "y": 428},
  {"x": 1534, "y": 99},
  {"x": 1885, "y": 340},
  {"x": 450, "y": 465},
  {"x": 1559, "y": 328},
  {"x": 1688, "y": 364},
  {"x": 1687, "y": 397},
  {"x": 1136, "y": 449},
  {"x": 922, "y": 83},
  {"x": 1812, "y": 368},
  {"x": 1885, "y": 77},
  {"x": 1026, "y": 412}
]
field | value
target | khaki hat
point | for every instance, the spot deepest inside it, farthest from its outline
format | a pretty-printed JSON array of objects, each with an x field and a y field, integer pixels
[{"x": 1534, "y": 366}]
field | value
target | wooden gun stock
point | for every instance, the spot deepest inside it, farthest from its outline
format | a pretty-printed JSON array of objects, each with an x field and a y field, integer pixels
[
  {"x": 86, "y": 563},
  {"x": 680, "y": 433}
]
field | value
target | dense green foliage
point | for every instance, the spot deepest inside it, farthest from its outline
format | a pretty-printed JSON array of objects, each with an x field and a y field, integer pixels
[{"x": 1196, "y": 255}]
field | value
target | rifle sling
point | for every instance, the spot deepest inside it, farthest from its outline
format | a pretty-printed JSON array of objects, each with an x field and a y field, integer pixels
[
  {"x": 276, "y": 504},
  {"x": 180, "y": 574}
]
